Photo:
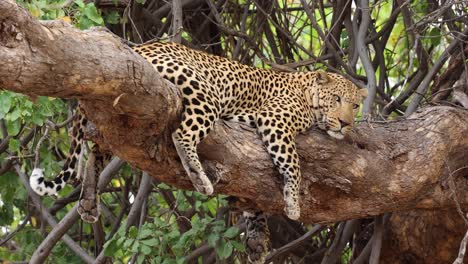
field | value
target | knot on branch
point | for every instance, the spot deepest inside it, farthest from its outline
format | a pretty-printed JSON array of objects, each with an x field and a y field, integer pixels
[{"x": 10, "y": 36}]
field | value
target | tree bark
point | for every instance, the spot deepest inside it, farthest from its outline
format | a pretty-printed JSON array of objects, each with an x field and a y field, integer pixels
[
  {"x": 423, "y": 237},
  {"x": 380, "y": 167}
]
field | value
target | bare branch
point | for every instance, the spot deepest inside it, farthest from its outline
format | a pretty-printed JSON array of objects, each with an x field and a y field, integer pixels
[
  {"x": 363, "y": 55},
  {"x": 177, "y": 21},
  {"x": 461, "y": 252},
  {"x": 377, "y": 240},
  {"x": 422, "y": 88},
  {"x": 144, "y": 190},
  {"x": 293, "y": 244}
]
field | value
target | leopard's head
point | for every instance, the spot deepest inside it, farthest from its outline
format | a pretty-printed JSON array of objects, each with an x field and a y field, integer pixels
[{"x": 336, "y": 99}]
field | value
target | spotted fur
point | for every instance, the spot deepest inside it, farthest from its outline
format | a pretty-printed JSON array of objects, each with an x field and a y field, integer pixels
[
  {"x": 44, "y": 187},
  {"x": 69, "y": 170},
  {"x": 280, "y": 105}
]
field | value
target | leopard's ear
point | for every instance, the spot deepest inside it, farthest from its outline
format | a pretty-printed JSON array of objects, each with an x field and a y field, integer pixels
[
  {"x": 322, "y": 77},
  {"x": 363, "y": 93}
]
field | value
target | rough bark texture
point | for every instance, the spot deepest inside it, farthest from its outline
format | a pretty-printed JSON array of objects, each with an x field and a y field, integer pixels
[
  {"x": 423, "y": 237},
  {"x": 380, "y": 167}
]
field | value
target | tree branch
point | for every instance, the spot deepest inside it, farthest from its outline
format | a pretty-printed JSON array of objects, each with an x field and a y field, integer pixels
[{"x": 383, "y": 168}]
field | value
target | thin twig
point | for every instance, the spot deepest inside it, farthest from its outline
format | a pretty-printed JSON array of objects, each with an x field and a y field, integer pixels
[
  {"x": 461, "y": 252},
  {"x": 59, "y": 230},
  {"x": 293, "y": 244},
  {"x": 18, "y": 228},
  {"x": 38, "y": 147},
  {"x": 143, "y": 192},
  {"x": 377, "y": 241},
  {"x": 57, "y": 233},
  {"x": 422, "y": 88},
  {"x": 177, "y": 20}
]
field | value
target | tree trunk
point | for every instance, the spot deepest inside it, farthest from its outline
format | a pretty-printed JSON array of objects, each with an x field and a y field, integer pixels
[
  {"x": 380, "y": 167},
  {"x": 423, "y": 237}
]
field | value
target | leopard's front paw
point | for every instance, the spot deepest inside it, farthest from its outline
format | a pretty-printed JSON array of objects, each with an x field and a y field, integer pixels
[
  {"x": 292, "y": 209},
  {"x": 201, "y": 183},
  {"x": 293, "y": 212}
]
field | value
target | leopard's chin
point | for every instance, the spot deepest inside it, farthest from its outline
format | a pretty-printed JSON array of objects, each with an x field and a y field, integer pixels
[{"x": 335, "y": 134}]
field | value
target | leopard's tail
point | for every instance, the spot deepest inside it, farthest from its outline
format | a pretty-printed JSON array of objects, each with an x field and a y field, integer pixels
[{"x": 37, "y": 180}]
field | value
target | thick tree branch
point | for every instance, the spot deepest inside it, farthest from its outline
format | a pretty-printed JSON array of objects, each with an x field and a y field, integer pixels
[{"x": 380, "y": 168}]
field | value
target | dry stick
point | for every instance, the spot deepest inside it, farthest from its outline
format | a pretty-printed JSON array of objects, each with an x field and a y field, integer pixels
[
  {"x": 12, "y": 234},
  {"x": 38, "y": 146},
  {"x": 363, "y": 257},
  {"x": 203, "y": 27},
  {"x": 4, "y": 144},
  {"x": 293, "y": 244},
  {"x": 461, "y": 252},
  {"x": 6, "y": 166},
  {"x": 340, "y": 242},
  {"x": 3, "y": 128},
  {"x": 349, "y": 71},
  {"x": 58, "y": 231},
  {"x": 377, "y": 241},
  {"x": 322, "y": 35},
  {"x": 363, "y": 55},
  {"x": 422, "y": 88},
  {"x": 202, "y": 250},
  {"x": 177, "y": 21},
  {"x": 282, "y": 30},
  {"x": 236, "y": 52},
  {"x": 205, "y": 247},
  {"x": 218, "y": 21},
  {"x": 144, "y": 190}
]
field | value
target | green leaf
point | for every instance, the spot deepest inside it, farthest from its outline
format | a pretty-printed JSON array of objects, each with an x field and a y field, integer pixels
[
  {"x": 150, "y": 242},
  {"x": 14, "y": 144},
  {"x": 133, "y": 232},
  {"x": 238, "y": 246},
  {"x": 5, "y": 102},
  {"x": 145, "y": 233},
  {"x": 140, "y": 259},
  {"x": 135, "y": 246},
  {"x": 80, "y": 3},
  {"x": 13, "y": 127},
  {"x": 231, "y": 232},
  {"x": 435, "y": 36},
  {"x": 91, "y": 12},
  {"x": 15, "y": 114},
  {"x": 113, "y": 17},
  {"x": 146, "y": 250},
  {"x": 224, "y": 249},
  {"x": 212, "y": 239},
  {"x": 110, "y": 248}
]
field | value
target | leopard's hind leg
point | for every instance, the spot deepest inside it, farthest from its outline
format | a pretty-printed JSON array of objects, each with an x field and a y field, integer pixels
[
  {"x": 257, "y": 240},
  {"x": 197, "y": 121},
  {"x": 88, "y": 204}
]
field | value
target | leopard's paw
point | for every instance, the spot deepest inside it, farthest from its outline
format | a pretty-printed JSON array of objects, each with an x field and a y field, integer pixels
[
  {"x": 88, "y": 209},
  {"x": 201, "y": 183},
  {"x": 257, "y": 248}
]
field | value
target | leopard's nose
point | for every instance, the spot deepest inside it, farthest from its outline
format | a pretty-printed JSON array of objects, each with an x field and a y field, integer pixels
[{"x": 344, "y": 123}]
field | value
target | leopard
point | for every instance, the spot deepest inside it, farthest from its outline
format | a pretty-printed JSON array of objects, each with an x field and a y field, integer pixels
[{"x": 279, "y": 105}]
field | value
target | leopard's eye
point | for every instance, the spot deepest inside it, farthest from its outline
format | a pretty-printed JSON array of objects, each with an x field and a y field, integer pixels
[
  {"x": 355, "y": 106},
  {"x": 338, "y": 99}
]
